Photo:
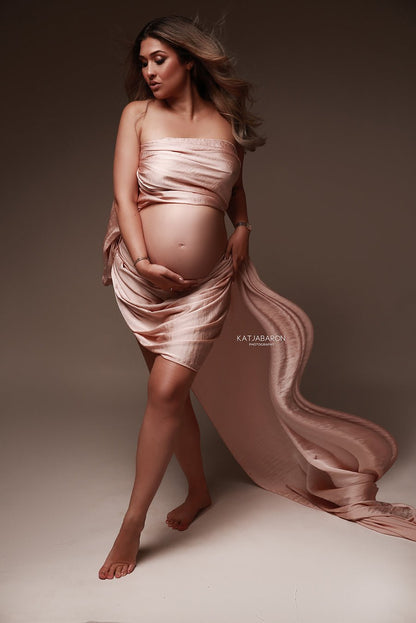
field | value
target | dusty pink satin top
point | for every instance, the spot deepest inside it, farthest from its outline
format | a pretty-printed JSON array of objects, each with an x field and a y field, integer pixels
[{"x": 170, "y": 172}]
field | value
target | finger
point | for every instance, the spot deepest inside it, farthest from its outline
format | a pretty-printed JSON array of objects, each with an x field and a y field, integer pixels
[
  {"x": 175, "y": 277},
  {"x": 183, "y": 284},
  {"x": 186, "y": 283}
]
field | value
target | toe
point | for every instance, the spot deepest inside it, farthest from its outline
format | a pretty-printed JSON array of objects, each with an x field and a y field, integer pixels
[
  {"x": 102, "y": 574},
  {"x": 124, "y": 569},
  {"x": 110, "y": 572},
  {"x": 131, "y": 567},
  {"x": 118, "y": 571}
]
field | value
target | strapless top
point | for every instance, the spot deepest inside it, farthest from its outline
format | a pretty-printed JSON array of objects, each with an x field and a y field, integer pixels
[{"x": 189, "y": 170}]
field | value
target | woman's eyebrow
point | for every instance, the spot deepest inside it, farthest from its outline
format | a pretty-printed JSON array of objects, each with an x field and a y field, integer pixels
[{"x": 152, "y": 53}]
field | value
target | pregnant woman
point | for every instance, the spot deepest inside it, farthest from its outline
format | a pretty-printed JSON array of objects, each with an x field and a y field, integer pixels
[{"x": 194, "y": 301}]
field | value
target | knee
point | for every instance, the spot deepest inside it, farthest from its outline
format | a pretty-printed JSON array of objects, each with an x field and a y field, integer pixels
[{"x": 167, "y": 395}]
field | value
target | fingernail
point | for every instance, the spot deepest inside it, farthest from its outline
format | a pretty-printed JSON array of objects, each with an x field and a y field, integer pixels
[{"x": 181, "y": 278}]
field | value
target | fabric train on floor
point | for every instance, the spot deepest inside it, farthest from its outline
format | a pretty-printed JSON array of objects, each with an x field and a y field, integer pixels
[{"x": 314, "y": 455}]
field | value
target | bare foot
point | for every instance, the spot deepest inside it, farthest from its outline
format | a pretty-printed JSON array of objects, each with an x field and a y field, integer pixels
[
  {"x": 122, "y": 557},
  {"x": 180, "y": 518}
]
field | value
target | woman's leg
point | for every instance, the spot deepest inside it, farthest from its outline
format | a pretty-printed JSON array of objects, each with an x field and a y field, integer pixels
[
  {"x": 168, "y": 387},
  {"x": 187, "y": 449}
]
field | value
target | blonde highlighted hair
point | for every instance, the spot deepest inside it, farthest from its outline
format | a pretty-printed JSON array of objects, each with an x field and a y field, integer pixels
[{"x": 212, "y": 72}]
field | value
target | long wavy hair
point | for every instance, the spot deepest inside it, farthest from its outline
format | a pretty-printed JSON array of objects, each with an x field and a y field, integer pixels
[{"x": 212, "y": 72}]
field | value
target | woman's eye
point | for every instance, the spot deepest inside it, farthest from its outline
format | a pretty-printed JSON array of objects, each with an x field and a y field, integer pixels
[{"x": 159, "y": 61}]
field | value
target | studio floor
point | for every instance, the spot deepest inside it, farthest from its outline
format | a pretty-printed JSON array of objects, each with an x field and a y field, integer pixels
[{"x": 252, "y": 557}]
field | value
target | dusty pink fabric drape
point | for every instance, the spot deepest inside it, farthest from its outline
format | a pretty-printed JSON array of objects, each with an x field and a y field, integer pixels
[
  {"x": 182, "y": 327},
  {"x": 314, "y": 455}
]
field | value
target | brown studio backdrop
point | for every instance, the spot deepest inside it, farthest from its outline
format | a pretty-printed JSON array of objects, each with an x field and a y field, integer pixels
[{"x": 331, "y": 197}]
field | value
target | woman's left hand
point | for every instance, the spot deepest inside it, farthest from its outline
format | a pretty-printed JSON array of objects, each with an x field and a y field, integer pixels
[{"x": 238, "y": 247}]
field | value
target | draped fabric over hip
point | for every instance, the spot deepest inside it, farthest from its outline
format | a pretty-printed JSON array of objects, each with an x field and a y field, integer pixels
[{"x": 250, "y": 346}]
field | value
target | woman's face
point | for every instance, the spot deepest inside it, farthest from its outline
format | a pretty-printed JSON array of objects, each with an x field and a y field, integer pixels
[{"x": 162, "y": 68}]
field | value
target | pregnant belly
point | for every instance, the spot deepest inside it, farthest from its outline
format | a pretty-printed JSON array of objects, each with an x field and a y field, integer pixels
[{"x": 188, "y": 239}]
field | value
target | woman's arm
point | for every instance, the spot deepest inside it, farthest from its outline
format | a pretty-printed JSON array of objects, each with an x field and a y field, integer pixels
[
  {"x": 126, "y": 161},
  {"x": 237, "y": 211},
  {"x": 237, "y": 208}
]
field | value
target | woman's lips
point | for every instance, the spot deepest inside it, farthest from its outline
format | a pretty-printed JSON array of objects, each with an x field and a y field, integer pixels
[{"x": 154, "y": 85}]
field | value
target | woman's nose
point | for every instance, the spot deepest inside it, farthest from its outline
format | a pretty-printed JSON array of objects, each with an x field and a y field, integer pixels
[{"x": 150, "y": 71}]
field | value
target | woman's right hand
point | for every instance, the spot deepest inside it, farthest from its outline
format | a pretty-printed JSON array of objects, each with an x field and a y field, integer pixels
[{"x": 164, "y": 278}]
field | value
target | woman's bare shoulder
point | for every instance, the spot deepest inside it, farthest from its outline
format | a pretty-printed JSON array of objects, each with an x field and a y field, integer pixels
[
  {"x": 133, "y": 115},
  {"x": 136, "y": 108}
]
